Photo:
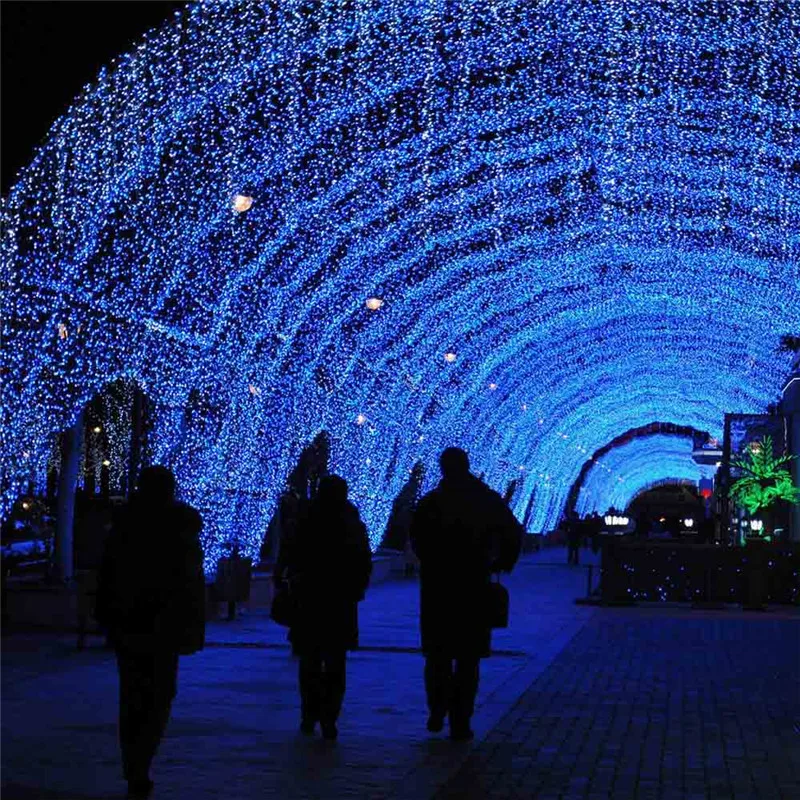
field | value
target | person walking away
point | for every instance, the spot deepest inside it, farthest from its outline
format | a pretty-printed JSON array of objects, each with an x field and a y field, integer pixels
[
  {"x": 462, "y": 531},
  {"x": 151, "y": 602},
  {"x": 328, "y": 568},
  {"x": 574, "y": 527},
  {"x": 595, "y": 531}
]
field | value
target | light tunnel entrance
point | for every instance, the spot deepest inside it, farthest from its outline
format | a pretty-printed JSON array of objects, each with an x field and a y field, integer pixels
[{"x": 520, "y": 229}]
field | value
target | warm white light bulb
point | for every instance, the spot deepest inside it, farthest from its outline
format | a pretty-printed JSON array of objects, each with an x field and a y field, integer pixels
[
  {"x": 374, "y": 303},
  {"x": 242, "y": 202},
  {"x": 449, "y": 357}
]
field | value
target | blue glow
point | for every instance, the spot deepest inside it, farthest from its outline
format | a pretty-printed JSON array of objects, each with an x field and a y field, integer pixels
[
  {"x": 594, "y": 206},
  {"x": 626, "y": 471}
]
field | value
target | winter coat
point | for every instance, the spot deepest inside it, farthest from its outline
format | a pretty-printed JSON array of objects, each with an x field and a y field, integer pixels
[
  {"x": 151, "y": 588},
  {"x": 328, "y": 566},
  {"x": 462, "y": 531}
]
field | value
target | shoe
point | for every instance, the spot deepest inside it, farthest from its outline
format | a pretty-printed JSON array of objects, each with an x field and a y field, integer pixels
[
  {"x": 140, "y": 790},
  {"x": 460, "y": 734},
  {"x": 329, "y": 731},
  {"x": 307, "y": 727},
  {"x": 436, "y": 723}
]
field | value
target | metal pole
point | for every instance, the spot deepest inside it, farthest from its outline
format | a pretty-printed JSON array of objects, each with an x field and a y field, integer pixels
[
  {"x": 791, "y": 408},
  {"x": 65, "y": 506}
]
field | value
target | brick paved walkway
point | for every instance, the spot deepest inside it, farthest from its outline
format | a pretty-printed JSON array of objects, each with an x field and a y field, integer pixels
[
  {"x": 578, "y": 702},
  {"x": 655, "y": 704}
]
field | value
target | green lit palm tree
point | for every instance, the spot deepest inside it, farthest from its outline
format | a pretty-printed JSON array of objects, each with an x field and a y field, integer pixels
[{"x": 765, "y": 478}]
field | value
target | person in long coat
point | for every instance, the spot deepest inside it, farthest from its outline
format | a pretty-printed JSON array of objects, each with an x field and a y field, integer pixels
[
  {"x": 329, "y": 567},
  {"x": 462, "y": 532},
  {"x": 151, "y": 602}
]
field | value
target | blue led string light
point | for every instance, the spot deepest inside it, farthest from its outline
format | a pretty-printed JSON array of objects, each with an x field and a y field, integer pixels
[{"x": 593, "y": 207}]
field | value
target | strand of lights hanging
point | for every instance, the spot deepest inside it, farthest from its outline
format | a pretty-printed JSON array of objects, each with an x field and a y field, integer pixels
[{"x": 519, "y": 229}]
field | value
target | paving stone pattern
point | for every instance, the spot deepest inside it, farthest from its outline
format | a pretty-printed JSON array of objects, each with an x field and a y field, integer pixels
[
  {"x": 578, "y": 702},
  {"x": 657, "y": 704}
]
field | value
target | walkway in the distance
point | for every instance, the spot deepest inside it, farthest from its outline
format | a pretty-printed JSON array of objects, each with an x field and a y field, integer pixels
[{"x": 578, "y": 703}]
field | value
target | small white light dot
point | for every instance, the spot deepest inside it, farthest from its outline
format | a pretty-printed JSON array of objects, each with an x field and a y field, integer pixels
[
  {"x": 360, "y": 419},
  {"x": 492, "y": 386},
  {"x": 374, "y": 303},
  {"x": 449, "y": 357},
  {"x": 97, "y": 429},
  {"x": 106, "y": 463}
]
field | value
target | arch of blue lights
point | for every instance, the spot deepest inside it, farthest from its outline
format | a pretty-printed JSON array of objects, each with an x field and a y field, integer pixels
[
  {"x": 591, "y": 207},
  {"x": 623, "y": 473}
]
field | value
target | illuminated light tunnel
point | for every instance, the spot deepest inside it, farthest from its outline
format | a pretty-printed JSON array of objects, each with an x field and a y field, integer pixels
[
  {"x": 626, "y": 471},
  {"x": 593, "y": 208}
]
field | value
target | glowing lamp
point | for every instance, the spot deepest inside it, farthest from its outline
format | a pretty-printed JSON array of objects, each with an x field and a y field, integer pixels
[
  {"x": 756, "y": 525},
  {"x": 242, "y": 202},
  {"x": 96, "y": 429},
  {"x": 360, "y": 419},
  {"x": 26, "y": 505},
  {"x": 689, "y": 522},
  {"x": 449, "y": 357},
  {"x": 492, "y": 386},
  {"x": 106, "y": 463},
  {"x": 374, "y": 303}
]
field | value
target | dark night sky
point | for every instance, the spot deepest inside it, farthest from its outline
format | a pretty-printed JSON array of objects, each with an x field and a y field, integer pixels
[{"x": 50, "y": 51}]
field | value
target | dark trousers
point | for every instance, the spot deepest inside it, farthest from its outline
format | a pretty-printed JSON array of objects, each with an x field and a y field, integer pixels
[
  {"x": 451, "y": 685},
  {"x": 322, "y": 684},
  {"x": 573, "y": 549},
  {"x": 147, "y": 686}
]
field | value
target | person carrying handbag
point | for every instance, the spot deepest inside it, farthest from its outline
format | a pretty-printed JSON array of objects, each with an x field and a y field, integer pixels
[{"x": 462, "y": 532}]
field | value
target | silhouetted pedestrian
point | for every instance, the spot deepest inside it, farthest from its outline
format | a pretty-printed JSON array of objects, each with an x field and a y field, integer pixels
[
  {"x": 575, "y": 530},
  {"x": 232, "y": 584},
  {"x": 151, "y": 601},
  {"x": 462, "y": 531},
  {"x": 328, "y": 568},
  {"x": 595, "y": 530}
]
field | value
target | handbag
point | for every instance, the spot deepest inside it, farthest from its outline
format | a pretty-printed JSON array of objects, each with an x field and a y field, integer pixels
[
  {"x": 283, "y": 607},
  {"x": 497, "y": 604}
]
